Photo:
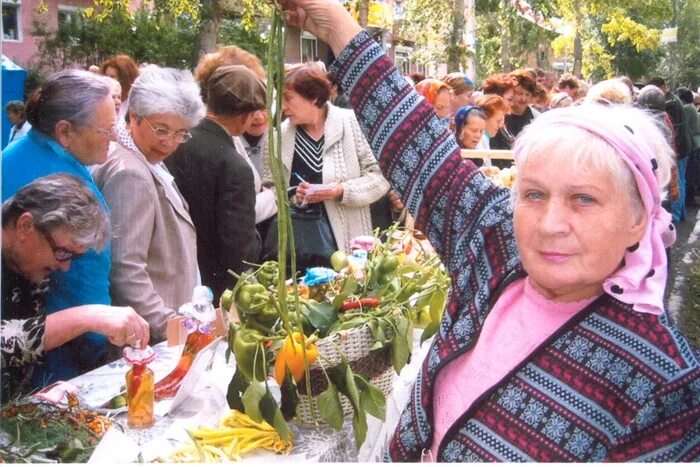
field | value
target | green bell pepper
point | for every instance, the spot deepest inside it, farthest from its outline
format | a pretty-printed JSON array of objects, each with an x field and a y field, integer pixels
[
  {"x": 250, "y": 353},
  {"x": 268, "y": 273},
  {"x": 251, "y": 298}
]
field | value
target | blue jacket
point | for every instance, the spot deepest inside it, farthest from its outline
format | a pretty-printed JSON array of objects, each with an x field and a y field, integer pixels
[{"x": 87, "y": 280}]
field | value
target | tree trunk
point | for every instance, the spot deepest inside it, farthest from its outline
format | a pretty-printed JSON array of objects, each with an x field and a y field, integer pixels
[
  {"x": 363, "y": 13},
  {"x": 211, "y": 16},
  {"x": 578, "y": 54},
  {"x": 578, "y": 49},
  {"x": 456, "y": 43},
  {"x": 505, "y": 39}
]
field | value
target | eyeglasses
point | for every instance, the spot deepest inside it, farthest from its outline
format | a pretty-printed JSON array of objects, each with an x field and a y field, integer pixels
[
  {"x": 108, "y": 133},
  {"x": 162, "y": 133},
  {"x": 61, "y": 254}
]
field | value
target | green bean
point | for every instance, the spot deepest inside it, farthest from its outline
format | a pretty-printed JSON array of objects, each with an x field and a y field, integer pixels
[{"x": 275, "y": 87}]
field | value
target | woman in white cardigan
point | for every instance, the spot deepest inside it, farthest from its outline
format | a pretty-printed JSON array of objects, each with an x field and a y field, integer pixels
[{"x": 323, "y": 145}]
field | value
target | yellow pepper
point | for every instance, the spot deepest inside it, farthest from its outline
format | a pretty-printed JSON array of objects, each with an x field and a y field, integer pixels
[{"x": 291, "y": 355}]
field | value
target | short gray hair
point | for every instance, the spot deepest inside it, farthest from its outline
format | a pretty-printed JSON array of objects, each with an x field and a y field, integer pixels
[
  {"x": 559, "y": 100},
  {"x": 114, "y": 85},
  {"x": 610, "y": 91},
  {"x": 70, "y": 95},
  {"x": 588, "y": 150},
  {"x": 61, "y": 201},
  {"x": 166, "y": 91},
  {"x": 652, "y": 98}
]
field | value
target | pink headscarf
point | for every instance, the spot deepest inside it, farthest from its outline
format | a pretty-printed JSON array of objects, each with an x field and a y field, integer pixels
[{"x": 641, "y": 280}]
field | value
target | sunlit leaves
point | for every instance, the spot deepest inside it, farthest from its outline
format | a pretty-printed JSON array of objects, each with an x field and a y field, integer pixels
[{"x": 620, "y": 27}]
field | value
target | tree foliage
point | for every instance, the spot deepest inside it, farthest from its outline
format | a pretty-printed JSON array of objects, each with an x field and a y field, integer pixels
[
  {"x": 161, "y": 39},
  {"x": 688, "y": 46},
  {"x": 103, "y": 9},
  {"x": 151, "y": 34},
  {"x": 427, "y": 23},
  {"x": 605, "y": 26},
  {"x": 504, "y": 40}
]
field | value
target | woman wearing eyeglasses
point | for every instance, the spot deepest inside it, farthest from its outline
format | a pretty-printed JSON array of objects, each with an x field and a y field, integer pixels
[
  {"x": 47, "y": 225},
  {"x": 154, "y": 248},
  {"x": 72, "y": 117}
]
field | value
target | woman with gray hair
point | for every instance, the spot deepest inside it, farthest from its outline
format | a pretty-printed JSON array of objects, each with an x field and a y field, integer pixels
[
  {"x": 609, "y": 91},
  {"x": 154, "y": 248},
  {"x": 652, "y": 99},
  {"x": 555, "y": 330},
  {"x": 72, "y": 117},
  {"x": 46, "y": 225}
]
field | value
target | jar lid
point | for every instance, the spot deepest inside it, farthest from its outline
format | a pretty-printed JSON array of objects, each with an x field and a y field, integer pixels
[{"x": 137, "y": 356}]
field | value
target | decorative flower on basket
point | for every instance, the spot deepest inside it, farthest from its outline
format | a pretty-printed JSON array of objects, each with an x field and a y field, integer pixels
[{"x": 343, "y": 335}]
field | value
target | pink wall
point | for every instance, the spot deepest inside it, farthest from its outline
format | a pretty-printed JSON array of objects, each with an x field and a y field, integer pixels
[{"x": 21, "y": 51}]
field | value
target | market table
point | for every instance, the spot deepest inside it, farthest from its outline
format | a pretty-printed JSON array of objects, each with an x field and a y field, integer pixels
[{"x": 206, "y": 404}]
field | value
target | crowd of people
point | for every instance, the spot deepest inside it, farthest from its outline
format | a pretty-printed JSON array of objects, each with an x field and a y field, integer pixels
[
  {"x": 125, "y": 187},
  {"x": 492, "y": 116},
  {"x": 178, "y": 163}
]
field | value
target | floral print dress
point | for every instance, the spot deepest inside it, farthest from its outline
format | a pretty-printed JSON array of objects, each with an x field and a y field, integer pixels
[{"x": 21, "y": 331}]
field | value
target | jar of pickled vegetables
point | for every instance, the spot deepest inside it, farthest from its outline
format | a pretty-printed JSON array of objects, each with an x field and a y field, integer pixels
[
  {"x": 140, "y": 387},
  {"x": 199, "y": 316}
]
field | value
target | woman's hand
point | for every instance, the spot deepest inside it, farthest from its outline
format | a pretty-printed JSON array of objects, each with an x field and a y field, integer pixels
[
  {"x": 121, "y": 325},
  {"x": 326, "y": 19},
  {"x": 395, "y": 200},
  {"x": 308, "y": 193}
]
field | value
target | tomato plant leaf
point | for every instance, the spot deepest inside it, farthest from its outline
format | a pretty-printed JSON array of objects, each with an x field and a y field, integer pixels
[
  {"x": 251, "y": 400},
  {"x": 401, "y": 350},
  {"x": 372, "y": 398},
  {"x": 359, "y": 426},
  {"x": 272, "y": 414},
  {"x": 330, "y": 408},
  {"x": 289, "y": 396},
  {"x": 236, "y": 388},
  {"x": 320, "y": 315}
]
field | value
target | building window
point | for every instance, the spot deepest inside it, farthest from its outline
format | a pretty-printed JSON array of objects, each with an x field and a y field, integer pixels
[
  {"x": 68, "y": 14},
  {"x": 11, "y": 21},
  {"x": 402, "y": 59},
  {"x": 309, "y": 47}
]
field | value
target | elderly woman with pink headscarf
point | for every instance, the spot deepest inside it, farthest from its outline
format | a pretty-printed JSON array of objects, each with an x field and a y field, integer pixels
[{"x": 555, "y": 331}]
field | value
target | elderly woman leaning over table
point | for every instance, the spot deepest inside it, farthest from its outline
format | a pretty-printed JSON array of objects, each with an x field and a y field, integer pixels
[
  {"x": 555, "y": 331},
  {"x": 154, "y": 249},
  {"x": 46, "y": 225}
]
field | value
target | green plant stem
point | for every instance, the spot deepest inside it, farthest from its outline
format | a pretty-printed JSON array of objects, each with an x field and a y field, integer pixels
[{"x": 275, "y": 86}]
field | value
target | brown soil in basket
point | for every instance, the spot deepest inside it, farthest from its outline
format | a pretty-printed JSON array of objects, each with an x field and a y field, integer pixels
[{"x": 371, "y": 366}]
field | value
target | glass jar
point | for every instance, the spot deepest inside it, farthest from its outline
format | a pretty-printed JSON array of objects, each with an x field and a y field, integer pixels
[{"x": 140, "y": 385}]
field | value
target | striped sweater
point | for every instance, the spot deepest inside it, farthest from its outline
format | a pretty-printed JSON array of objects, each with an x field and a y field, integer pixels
[{"x": 609, "y": 385}]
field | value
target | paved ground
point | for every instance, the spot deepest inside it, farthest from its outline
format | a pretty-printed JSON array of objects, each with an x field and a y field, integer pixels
[{"x": 684, "y": 254}]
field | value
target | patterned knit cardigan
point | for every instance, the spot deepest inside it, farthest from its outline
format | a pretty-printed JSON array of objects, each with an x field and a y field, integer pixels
[{"x": 610, "y": 385}]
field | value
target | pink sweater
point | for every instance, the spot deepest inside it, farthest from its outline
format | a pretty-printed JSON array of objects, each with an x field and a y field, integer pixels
[{"x": 520, "y": 320}]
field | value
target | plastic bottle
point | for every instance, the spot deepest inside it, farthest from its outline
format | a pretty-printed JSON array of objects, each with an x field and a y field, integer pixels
[{"x": 140, "y": 387}]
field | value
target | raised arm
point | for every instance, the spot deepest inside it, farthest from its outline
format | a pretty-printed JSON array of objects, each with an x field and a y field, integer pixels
[{"x": 453, "y": 203}]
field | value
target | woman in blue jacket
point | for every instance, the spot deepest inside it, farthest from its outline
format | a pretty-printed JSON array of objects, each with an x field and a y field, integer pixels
[{"x": 72, "y": 117}]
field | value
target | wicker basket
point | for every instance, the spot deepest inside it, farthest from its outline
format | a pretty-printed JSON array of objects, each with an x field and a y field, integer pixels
[{"x": 355, "y": 345}]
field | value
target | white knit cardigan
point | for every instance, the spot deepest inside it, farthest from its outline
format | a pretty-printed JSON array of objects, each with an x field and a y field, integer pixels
[{"x": 348, "y": 159}]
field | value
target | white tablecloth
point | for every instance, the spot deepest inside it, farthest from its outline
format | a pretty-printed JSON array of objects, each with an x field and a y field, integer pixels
[{"x": 207, "y": 405}]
